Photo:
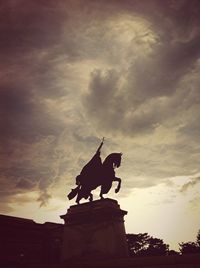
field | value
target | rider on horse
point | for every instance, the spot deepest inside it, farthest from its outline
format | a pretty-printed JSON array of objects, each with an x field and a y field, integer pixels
[
  {"x": 95, "y": 164},
  {"x": 94, "y": 174}
]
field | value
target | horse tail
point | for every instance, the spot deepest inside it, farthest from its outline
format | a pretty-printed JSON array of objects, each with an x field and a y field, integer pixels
[{"x": 73, "y": 192}]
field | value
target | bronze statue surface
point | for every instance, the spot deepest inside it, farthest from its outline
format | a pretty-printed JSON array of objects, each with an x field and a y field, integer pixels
[{"x": 95, "y": 174}]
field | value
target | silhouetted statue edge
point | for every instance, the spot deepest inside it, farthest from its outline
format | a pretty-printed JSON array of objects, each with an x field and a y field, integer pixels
[{"x": 95, "y": 174}]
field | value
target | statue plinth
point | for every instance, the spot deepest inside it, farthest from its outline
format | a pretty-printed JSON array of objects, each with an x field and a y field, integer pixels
[{"x": 94, "y": 230}]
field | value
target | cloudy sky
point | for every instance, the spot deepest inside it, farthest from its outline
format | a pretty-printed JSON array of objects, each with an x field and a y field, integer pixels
[{"x": 74, "y": 71}]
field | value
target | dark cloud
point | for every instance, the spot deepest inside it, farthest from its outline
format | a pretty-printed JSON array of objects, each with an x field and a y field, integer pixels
[
  {"x": 43, "y": 198},
  {"x": 26, "y": 26},
  {"x": 25, "y": 184},
  {"x": 24, "y": 117},
  {"x": 152, "y": 76},
  {"x": 31, "y": 33},
  {"x": 143, "y": 57},
  {"x": 194, "y": 181},
  {"x": 101, "y": 100},
  {"x": 38, "y": 172}
]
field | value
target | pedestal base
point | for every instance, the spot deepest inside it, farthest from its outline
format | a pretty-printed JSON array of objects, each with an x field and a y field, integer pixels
[{"x": 94, "y": 230}]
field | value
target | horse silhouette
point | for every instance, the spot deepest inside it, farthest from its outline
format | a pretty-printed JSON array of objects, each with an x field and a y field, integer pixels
[{"x": 95, "y": 174}]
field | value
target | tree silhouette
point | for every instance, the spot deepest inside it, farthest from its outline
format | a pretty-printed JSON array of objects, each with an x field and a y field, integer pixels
[
  {"x": 190, "y": 247},
  {"x": 198, "y": 239},
  {"x": 144, "y": 245},
  {"x": 137, "y": 243},
  {"x": 157, "y": 247},
  {"x": 173, "y": 252}
]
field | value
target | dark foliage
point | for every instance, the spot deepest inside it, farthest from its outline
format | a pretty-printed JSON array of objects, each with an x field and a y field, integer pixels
[
  {"x": 198, "y": 239},
  {"x": 145, "y": 245},
  {"x": 173, "y": 252},
  {"x": 190, "y": 247}
]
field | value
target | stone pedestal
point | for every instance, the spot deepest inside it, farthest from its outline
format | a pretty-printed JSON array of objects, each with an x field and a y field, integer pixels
[{"x": 94, "y": 230}]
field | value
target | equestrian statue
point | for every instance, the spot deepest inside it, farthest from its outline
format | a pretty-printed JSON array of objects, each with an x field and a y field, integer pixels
[{"x": 95, "y": 174}]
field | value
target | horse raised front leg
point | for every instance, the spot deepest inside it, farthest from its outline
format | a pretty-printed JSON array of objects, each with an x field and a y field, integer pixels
[{"x": 119, "y": 184}]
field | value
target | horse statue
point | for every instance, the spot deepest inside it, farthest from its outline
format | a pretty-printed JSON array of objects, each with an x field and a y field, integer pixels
[{"x": 95, "y": 174}]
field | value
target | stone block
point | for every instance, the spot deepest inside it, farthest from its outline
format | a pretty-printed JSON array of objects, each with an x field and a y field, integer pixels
[{"x": 94, "y": 230}]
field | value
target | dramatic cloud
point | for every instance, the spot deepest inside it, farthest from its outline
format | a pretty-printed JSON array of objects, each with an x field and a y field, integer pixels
[
  {"x": 153, "y": 78},
  {"x": 73, "y": 72},
  {"x": 194, "y": 181}
]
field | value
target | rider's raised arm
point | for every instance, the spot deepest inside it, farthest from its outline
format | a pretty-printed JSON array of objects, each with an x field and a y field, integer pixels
[{"x": 98, "y": 150}]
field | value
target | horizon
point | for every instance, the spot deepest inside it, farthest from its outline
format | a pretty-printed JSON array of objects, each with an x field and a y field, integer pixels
[{"x": 73, "y": 72}]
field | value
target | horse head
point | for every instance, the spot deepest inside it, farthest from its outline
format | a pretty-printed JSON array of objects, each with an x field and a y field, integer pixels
[{"x": 113, "y": 159}]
